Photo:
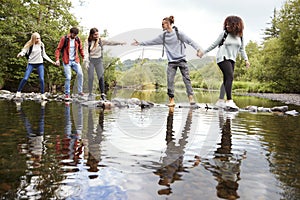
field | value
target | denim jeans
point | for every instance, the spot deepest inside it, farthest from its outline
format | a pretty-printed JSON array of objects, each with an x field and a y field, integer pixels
[
  {"x": 171, "y": 72},
  {"x": 68, "y": 74},
  {"x": 29, "y": 128},
  {"x": 40, "y": 70}
]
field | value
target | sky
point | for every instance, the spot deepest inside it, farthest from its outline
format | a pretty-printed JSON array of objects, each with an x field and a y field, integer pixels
[{"x": 201, "y": 20}]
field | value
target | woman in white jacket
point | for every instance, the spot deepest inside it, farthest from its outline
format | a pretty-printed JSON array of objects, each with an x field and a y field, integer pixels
[
  {"x": 230, "y": 43},
  {"x": 93, "y": 51},
  {"x": 34, "y": 50}
]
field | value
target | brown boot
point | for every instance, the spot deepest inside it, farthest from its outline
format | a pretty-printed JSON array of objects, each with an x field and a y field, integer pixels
[
  {"x": 171, "y": 102},
  {"x": 191, "y": 99}
]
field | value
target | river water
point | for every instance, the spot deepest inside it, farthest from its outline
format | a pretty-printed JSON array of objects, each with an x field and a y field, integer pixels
[{"x": 73, "y": 151}]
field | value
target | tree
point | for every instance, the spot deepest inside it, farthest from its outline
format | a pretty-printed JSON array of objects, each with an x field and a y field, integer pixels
[
  {"x": 273, "y": 31},
  {"x": 18, "y": 20},
  {"x": 289, "y": 40}
]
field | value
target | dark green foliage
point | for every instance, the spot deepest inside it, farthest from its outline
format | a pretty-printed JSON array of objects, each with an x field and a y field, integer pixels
[{"x": 18, "y": 20}]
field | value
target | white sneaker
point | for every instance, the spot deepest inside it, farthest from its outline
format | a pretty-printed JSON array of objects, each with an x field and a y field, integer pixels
[
  {"x": 43, "y": 103},
  {"x": 43, "y": 97},
  {"x": 18, "y": 104},
  {"x": 221, "y": 103},
  {"x": 18, "y": 95},
  {"x": 231, "y": 104}
]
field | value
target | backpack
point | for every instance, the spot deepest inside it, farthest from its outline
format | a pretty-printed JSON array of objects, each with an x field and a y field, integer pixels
[
  {"x": 27, "y": 54},
  {"x": 224, "y": 38},
  {"x": 178, "y": 37},
  {"x": 100, "y": 44},
  {"x": 66, "y": 43}
]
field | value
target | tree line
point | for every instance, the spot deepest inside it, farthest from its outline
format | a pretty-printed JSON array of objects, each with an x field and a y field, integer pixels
[{"x": 274, "y": 63}]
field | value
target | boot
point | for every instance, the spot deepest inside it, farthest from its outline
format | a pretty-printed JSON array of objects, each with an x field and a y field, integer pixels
[
  {"x": 191, "y": 99},
  {"x": 171, "y": 102}
]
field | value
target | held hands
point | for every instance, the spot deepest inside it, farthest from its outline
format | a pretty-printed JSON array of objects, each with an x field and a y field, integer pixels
[
  {"x": 247, "y": 64},
  {"x": 135, "y": 43},
  {"x": 57, "y": 63},
  {"x": 200, "y": 53}
]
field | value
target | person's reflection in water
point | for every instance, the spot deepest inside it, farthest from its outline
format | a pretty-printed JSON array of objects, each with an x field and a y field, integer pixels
[
  {"x": 71, "y": 147},
  {"x": 173, "y": 161},
  {"x": 31, "y": 184},
  {"x": 35, "y": 137},
  {"x": 94, "y": 139},
  {"x": 226, "y": 167}
]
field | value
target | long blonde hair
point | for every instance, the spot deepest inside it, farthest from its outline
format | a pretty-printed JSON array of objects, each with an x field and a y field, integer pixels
[{"x": 32, "y": 40}]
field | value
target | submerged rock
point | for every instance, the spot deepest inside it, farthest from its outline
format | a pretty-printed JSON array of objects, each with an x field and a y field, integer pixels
[
  {"x": 133, "y": 102},
  {"x": 280, "y": 109}
]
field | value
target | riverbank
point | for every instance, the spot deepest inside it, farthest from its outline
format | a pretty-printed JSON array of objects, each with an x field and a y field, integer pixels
[{"x": 283, "y": 97}]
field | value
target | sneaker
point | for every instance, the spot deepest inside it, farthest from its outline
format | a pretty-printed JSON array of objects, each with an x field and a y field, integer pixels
[
  {"x": 43, "y": 103},
  {"x": 18, "y": 105},
  {"x": 81, "y": 94},
  {"x": 191, "y": 99},
  {"x": 18, "y": 95},
  {"x": 43, "y": 97},
  {"x": 67, "y": 97},
  {"x": 103, "y": 97},
  {"x": 231, "y": 104},
  {"x": 171, "y": 102},
  {"x": 221, "y": 103},
  {"x": 91, "y": 97}
]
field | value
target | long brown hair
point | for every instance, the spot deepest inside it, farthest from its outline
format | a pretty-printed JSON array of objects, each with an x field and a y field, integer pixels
[
  {"x": 234, "y": 25},
  {"x": 90, "y": 38}
]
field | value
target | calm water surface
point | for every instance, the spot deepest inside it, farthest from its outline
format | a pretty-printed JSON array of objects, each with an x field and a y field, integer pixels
[{"x": 71, "y": 151}]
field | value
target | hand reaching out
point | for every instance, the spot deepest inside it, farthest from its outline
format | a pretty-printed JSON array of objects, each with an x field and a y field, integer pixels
[{"x": 135, "y": 43}]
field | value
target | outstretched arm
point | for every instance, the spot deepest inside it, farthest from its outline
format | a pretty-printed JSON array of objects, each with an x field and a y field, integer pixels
[
  {"x": 215, "y": 43},
  {"x": 112, "y": 43},
  {"x": 46, "y": 56},
  {"x": 156, "y": 41}
]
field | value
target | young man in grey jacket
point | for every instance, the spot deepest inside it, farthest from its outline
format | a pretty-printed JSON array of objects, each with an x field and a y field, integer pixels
[{"x": 173, "y": 42}]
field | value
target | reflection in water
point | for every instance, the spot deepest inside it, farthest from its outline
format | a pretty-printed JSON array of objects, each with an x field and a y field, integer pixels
[
  {"x": 226, "y": 167},
  {"x": 70, "y": 147},
  {"x": 31, "y": 182},
  {"x": 173, "y": 161},
  {"x": 270, "y": 170},
  {"x": 94, "y": 139}
]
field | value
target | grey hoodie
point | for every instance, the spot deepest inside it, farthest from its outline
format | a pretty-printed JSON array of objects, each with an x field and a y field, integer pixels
[{"x": 173, "y": 47}]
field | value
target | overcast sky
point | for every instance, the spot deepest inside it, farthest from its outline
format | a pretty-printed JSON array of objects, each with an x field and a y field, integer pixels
[{"x": 202, "y": 20}]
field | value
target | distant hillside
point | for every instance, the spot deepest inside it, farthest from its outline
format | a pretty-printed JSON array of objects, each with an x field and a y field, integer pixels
[{"x": 194, "y": 64}]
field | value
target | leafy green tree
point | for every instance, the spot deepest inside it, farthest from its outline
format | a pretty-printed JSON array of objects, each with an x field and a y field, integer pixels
[
  {"x": 19, "y": 19},
  {"x": 289, "y": 41}
]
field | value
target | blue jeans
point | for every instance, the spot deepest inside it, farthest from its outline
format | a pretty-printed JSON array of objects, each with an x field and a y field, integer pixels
[
  {"x": 68, "y": 74},
  {"x": 40, "y": 70}
]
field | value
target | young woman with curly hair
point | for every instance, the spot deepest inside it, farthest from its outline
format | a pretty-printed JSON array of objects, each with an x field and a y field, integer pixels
[{"x": 230, "y": 43}]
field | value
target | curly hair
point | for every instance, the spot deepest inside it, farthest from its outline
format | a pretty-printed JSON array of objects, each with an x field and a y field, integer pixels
[{"x": 234, "y": 25}]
